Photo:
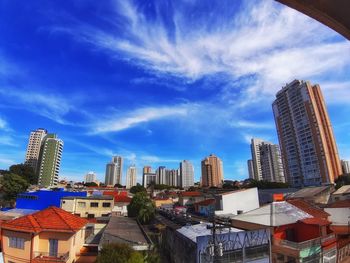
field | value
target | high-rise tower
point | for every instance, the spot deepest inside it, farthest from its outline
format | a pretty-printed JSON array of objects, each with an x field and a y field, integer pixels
[
  {"x": 50, "y": 160},
  {"x": 309, "y": 151},
  {"x": 36, "y": 139},
  {"x": 212, "y": 171},
  {"x": 131, "y": 177},
  {"x": 114, "y": 171},
  {"x": 186, "y": 174}
]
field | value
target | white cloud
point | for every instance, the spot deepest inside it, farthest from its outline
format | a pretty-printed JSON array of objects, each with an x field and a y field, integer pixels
[
  {"x": 269, "y": 42},
  {"x": 3, "y": 124},
  {"x": 252, "y": 125},
  {"x": 123, "y": 121}
]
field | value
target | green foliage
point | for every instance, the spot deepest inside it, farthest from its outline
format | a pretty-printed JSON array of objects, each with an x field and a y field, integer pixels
[
  {"x": 25, "y": 171},
  {"x": 137, "y": 188},
  {"x": 266, "y": 184},
  {"x": 342, "y": 180},
  {"x": 11, "y": 185},
  {"x": 119, "y": 253},
  {"x": 118, "y": 186},
  {"x": 142, "y": 207}
]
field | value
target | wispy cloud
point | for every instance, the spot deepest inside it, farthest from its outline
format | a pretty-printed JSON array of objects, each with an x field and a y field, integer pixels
[
  {"x": 3, "y": 124},
  {"x": 126, "y": 120},
  {"x": 252, "y": 124},
  {"x": 266, "y": 42}
]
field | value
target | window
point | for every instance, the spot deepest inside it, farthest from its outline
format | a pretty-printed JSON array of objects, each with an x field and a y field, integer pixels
[
  {"x": 16, "y": 242},
  {"x": 82, "y": 204},
  {"x": 106, "y": 204},
  {"x": 91, "y": 216},
  {"x": 94, "y": 204}
]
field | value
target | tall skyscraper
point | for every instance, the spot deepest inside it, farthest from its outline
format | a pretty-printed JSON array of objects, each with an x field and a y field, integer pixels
[
  {"x": 254, "y": 148},
  {"x": 345, "y": 165},
  {"x": 161, "y": 175},
  {"x": 35, "y": 142},
  {"x": 309, "y": 151},
  {"x": 147, "y": 170},
  {"x": 186, "y": 174},
  {"x": 212, "y": 171},
  {"x": 90, "y": 177},
  {"x": 148, "y": 178},
  {"x": 50, "y": 160},
  {"x": 266, "y": 163},
  {"x": 131, "y": 177},
  {"x": 250, "y": 169},
  {"x": 114, "y": 171}
]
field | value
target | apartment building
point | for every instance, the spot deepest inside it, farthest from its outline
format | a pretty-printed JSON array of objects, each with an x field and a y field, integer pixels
[{"x": 90, "y": 206}]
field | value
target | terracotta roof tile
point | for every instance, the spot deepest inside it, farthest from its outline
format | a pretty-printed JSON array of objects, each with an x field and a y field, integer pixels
[
  {"x": 51, "y": 218},
  {"x": 205, "y": 202},
  {"x": 308, "y": 208},
  {"x": 119, "y": 197},
  {"x": 340, "y": 204},
  {"x": 316, "y": 221},
  {"x": 191, "y": 193}
]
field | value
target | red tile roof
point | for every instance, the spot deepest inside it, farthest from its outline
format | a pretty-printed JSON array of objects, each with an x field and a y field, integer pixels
[
  {"x": 119, "y": 197},
  {"x": 205, "y": 202},
  {"x": 308, "y": 208},
  {"x": 50, "y": 219},
  {"x": 340, "y": 230},
  {"x": 340, "y": 204},
  {"x": 316, "y": 221},
  {"x": 191, "y": 194}
]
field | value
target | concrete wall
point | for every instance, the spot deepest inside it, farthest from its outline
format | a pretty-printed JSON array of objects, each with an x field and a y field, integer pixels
[
  {"x": 73, "y": 206},
  {"x": 338, "y": 216},
  {"x": 244, "y": 200}
]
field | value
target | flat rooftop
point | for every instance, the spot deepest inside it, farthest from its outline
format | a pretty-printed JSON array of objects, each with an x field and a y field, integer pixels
[
  {"x": 123, "y": 230},
  {"x": 92, "y": 197}
]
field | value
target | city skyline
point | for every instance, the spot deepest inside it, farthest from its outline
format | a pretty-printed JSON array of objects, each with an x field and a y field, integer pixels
[{"x": 160, "y": 83}]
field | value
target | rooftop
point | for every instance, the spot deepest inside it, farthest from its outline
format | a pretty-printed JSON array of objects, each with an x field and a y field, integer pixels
[
  {"x": 50, "y": 219},
  {"x": 309, "y": 192},
  {"x": 194, "y": 231},
  {"x": 308, "y": 208},
  {"x": 339, "y": 204},
  {"x": 92, "y": 197},
  {"x": 345, "y": 189},
  {"x": 283, "y": 213},
  {"x": 191, "y": 194},
  {"x": 123, "y": 230},
  {"x": 206, "y": 202}
]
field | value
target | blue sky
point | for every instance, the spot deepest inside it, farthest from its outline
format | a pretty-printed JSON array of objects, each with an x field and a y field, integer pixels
[{"x": 159, "y": 81}]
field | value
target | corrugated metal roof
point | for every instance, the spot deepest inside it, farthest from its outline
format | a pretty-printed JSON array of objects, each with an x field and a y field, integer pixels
[
  {"x": 309, "y": 192},
  {"x": 345, "y": 189}
]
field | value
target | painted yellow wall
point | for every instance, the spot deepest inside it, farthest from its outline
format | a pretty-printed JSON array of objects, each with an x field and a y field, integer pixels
[
  {"x": 72, "y": 206},
  {"x": 16, "y": 254}
]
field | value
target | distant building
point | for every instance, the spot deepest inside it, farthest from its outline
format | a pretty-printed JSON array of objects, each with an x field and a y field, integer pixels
[
  {"x": 36, "y": 139},
  {"x": 42, "y": 199},
  {"x": 309, "y": 151},
  {"x": 266, "y": 163},
  {"x": 147, "y": 169},
  {"x": 212, "y": 171},
  {"x": 114, "y": 171},
  {"x": 186, "y": 174},
  {"x": 343, "y": 193},
  {"x": 50, "y": 160},
  {"x": 50, "y": 235},
  {"x": 161, "y": 175},
  {"x": 90, "y": 177},
  {"x": 345, "y": 165},
  {"x": 250, "y": 169},
  {"x": 90, "y": 206},
  {"x": 131, "y": 176},
  {"x": 148, "y": 178}
]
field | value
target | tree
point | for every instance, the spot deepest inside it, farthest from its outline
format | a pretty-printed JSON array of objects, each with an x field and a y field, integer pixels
[
  {"x": 11, "y": 185},
  {"x": 25, "y": 171},
  {"x": 90, "y": 184},
  {"x": 118, "y": 186},
  {"x": 141, "y": 207},
  {"x": 119, "y": 253},
  {"x": 137, "y": 188}
]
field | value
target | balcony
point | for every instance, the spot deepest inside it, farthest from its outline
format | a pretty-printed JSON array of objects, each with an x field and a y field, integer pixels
[
  {"x": 298, "y": 245},
  {"x": 46, "y": 257}
]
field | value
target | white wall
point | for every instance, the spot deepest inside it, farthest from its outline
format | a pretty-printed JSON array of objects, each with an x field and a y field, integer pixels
[
  {"x": 245, "y": 200},
  {"x": 339, "y": 216}
]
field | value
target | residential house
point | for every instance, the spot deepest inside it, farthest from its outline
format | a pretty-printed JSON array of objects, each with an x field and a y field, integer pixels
[
  {"x": 205, "y": 207},
  {"x": 188, "y": 198},
  {"x": 339, "y": 215},
  {"x": 316, "y": 195},
  {"x": 90, "y": 206},
  {"x": 343, "y": 193},
  {"x": 50, "y": 235},
  {"x": 298, "y": 235},
  {"x": 159, "y": 201}
]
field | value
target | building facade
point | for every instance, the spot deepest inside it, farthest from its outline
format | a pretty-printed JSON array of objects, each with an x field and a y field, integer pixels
[
  {"x": 90, "y": 177},
  {"x": 114, "y": 171},
  {"x": 148, "y": 178},
  {"x": 33, "y": 149},
  {"x": 131, "y": 177},
  {"x": 309, "y": 151},
  {"x": 50, "y": 160},
  {"x": 266, "y": 163},
  {"x": 186, "y": 174},
  {"x": 212, "y": 171},
  {"x": 161, "y": 175},
  {"x": 345, "y": 165}
]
